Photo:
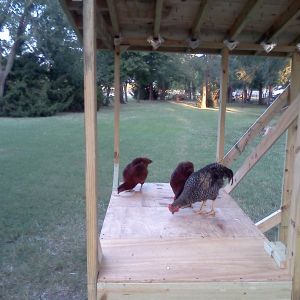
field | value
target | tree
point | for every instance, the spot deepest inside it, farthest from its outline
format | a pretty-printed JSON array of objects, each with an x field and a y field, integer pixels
[{"x": 14, "y": 17}]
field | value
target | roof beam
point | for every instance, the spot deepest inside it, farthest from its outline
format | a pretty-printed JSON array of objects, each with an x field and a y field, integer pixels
[
  {"x": 102, "y": 31},
  {"x": 113, "y": 17},
  {"x": 281, "y": 22},
  {"x": 295, "y": 41},
  {"x": 241, "y": 21},
  {"x": 199, "y": 19},
  {"x": 158, "y": 12}
]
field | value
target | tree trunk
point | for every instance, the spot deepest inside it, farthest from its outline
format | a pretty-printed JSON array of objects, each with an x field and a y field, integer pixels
[
  {"x": 250, "y": 95},
  {"x": 121, "y": 94},
  {"x": 108, "y": 89},
  {"x": 270, "y": 94},
  {"x": 190, "y": 91},
  {"x": 6, "y": 69},
  {"x": 215, "y": 98},
  {"x": 125, "y": 91},
  {"x": 151, "y": 91},
  {"x": 193, "y": 92},
  {"x": 162, "y": 95},
  {"x": 260, "y": 94},
  {"x": 229, "y": 93},
  {"x": 245, "y": 95},
  {"x": 204, "y": 95}
]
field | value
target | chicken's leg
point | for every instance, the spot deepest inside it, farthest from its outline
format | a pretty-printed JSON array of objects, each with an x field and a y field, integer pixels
[
  {"x": 200, "y": 212},
  {"x": 212, "y": 212}
]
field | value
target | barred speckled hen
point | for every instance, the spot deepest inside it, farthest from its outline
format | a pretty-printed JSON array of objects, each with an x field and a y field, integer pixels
[
  {"x": 202, "y": 185},
  {"x": 134, "y": 173},
  {"x": 179, "y": 177}
]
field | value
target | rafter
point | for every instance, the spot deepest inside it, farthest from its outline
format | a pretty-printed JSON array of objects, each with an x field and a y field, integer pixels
[
  {"x": 242, "y": 19},
  {"x": 113, "y": 17},
  {"x": 102, "y": 31},
  {"x": 199, "y": 19},
  {"x": 295, "y": 41},
  {"x": 158, "y": 12},
  {"x": 282, "y": 22}
]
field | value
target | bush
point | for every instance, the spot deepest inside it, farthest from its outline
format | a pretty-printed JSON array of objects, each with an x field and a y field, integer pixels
[{"x": 30, "y": 92}]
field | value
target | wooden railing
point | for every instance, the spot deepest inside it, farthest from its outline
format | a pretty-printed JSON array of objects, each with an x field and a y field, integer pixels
[
  {"x": 256, "y": 128},
  {"x": 288, "y": 116},
  {"x": 286, "y": 119}
]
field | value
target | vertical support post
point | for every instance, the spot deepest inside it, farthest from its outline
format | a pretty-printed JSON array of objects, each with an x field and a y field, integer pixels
[
  {"x": 117, "y": 118},
  {"x": 289, "y": 156},
  {"x": 222, "y": 104},
  {"x": 293, "y": 238},
  {"x": 90, "y": 109}
]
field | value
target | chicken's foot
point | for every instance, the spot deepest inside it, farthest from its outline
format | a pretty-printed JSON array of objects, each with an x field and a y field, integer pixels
[{"x": 211, "y": 212}]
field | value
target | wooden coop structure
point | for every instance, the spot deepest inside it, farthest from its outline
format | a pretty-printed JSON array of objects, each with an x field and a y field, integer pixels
[{"x": 143, "y": 252}]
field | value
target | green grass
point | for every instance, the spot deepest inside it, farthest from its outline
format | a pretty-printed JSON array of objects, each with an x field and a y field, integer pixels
[{"x": 42, "y": 184}]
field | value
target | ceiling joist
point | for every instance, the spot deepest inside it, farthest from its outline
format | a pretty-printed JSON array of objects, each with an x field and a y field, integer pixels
[
  {"x": 199, "y": 19},
  {"x": 102, "y": 31},
  {"x": 157, "y": 20},
  {"x": 281, "y": 23},
  {"x": 113, "y": 17},
  {"x": 241, "y": 21},
  {"x": 194, "y": 26}
]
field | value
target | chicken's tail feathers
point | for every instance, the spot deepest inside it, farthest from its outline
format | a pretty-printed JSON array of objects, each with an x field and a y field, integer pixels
[{"x": 125, "y": 186}]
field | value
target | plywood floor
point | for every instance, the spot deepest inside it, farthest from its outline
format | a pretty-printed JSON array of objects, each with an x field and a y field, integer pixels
[{"x": 143, "y": 242}]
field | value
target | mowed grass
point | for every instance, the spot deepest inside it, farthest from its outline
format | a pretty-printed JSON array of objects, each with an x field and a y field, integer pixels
[{"x": 42, "y": 216}]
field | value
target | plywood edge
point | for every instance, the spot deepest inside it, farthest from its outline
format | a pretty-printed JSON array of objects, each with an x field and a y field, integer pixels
[
  {"x": 277, "y": 250},
  {"x": 275, "y": 290}
]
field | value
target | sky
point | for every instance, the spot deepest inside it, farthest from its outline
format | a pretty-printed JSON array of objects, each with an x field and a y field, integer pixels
[{"x": 4, "y": 35}]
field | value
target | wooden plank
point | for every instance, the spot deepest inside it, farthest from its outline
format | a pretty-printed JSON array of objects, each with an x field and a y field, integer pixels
[
  {"x": 278, "y": 290},
  {"x": 102, "y": 30},
  {"x": 188, "y": 260},
  {"x": 256, "y": 128},
  {"x": 199, "y": 19},
  {"x": 282, "y": 22},
  {"x": 144, "y": 215},
  {"x": 116, "y": 118},
  {"x": 277, "y": 250},
  {"x": 240, "y": 22},
  {"x": 90, "y": 109},
  {"x": 222, "y": 104},
  {"x": 289, "y": 154},
  {"x": 113, "y": 17},
  {"x": 293, "y": 245},
  {"x": 283, "y": 123},
  {"x": 157, "y": 20},
  {"x": 269, "y": 222}
]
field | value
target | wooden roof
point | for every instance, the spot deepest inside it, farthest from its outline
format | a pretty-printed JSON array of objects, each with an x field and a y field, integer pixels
[{"x": 193, "y": 26}]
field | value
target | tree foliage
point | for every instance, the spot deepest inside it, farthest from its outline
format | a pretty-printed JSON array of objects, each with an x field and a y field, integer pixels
[{"x": 41, "y": 67}]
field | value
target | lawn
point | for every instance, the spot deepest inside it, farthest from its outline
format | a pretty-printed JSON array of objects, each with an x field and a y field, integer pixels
[{"x": 42, "y": 184}]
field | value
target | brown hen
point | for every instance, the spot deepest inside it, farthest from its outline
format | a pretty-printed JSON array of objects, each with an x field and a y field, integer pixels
[
  {"x": 134, "y": 173},
  {"x": 180, "y": 175}
]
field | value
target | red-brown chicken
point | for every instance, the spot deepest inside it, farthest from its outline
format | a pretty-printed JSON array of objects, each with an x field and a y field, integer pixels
[
  {"x": 134, "y": 173},
  {"x": 179, "y": 177}
]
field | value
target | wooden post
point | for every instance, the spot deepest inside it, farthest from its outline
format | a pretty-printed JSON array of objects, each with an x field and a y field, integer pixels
[
  {"x": 292, "y": 200},
  {"x": 294, "y": 224},
  {"x": 222, "y": 108},
  {"x": 117, "y": 118},
  {"x": 90, "y": 108},
  {"x": 289, "y": 156}
]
